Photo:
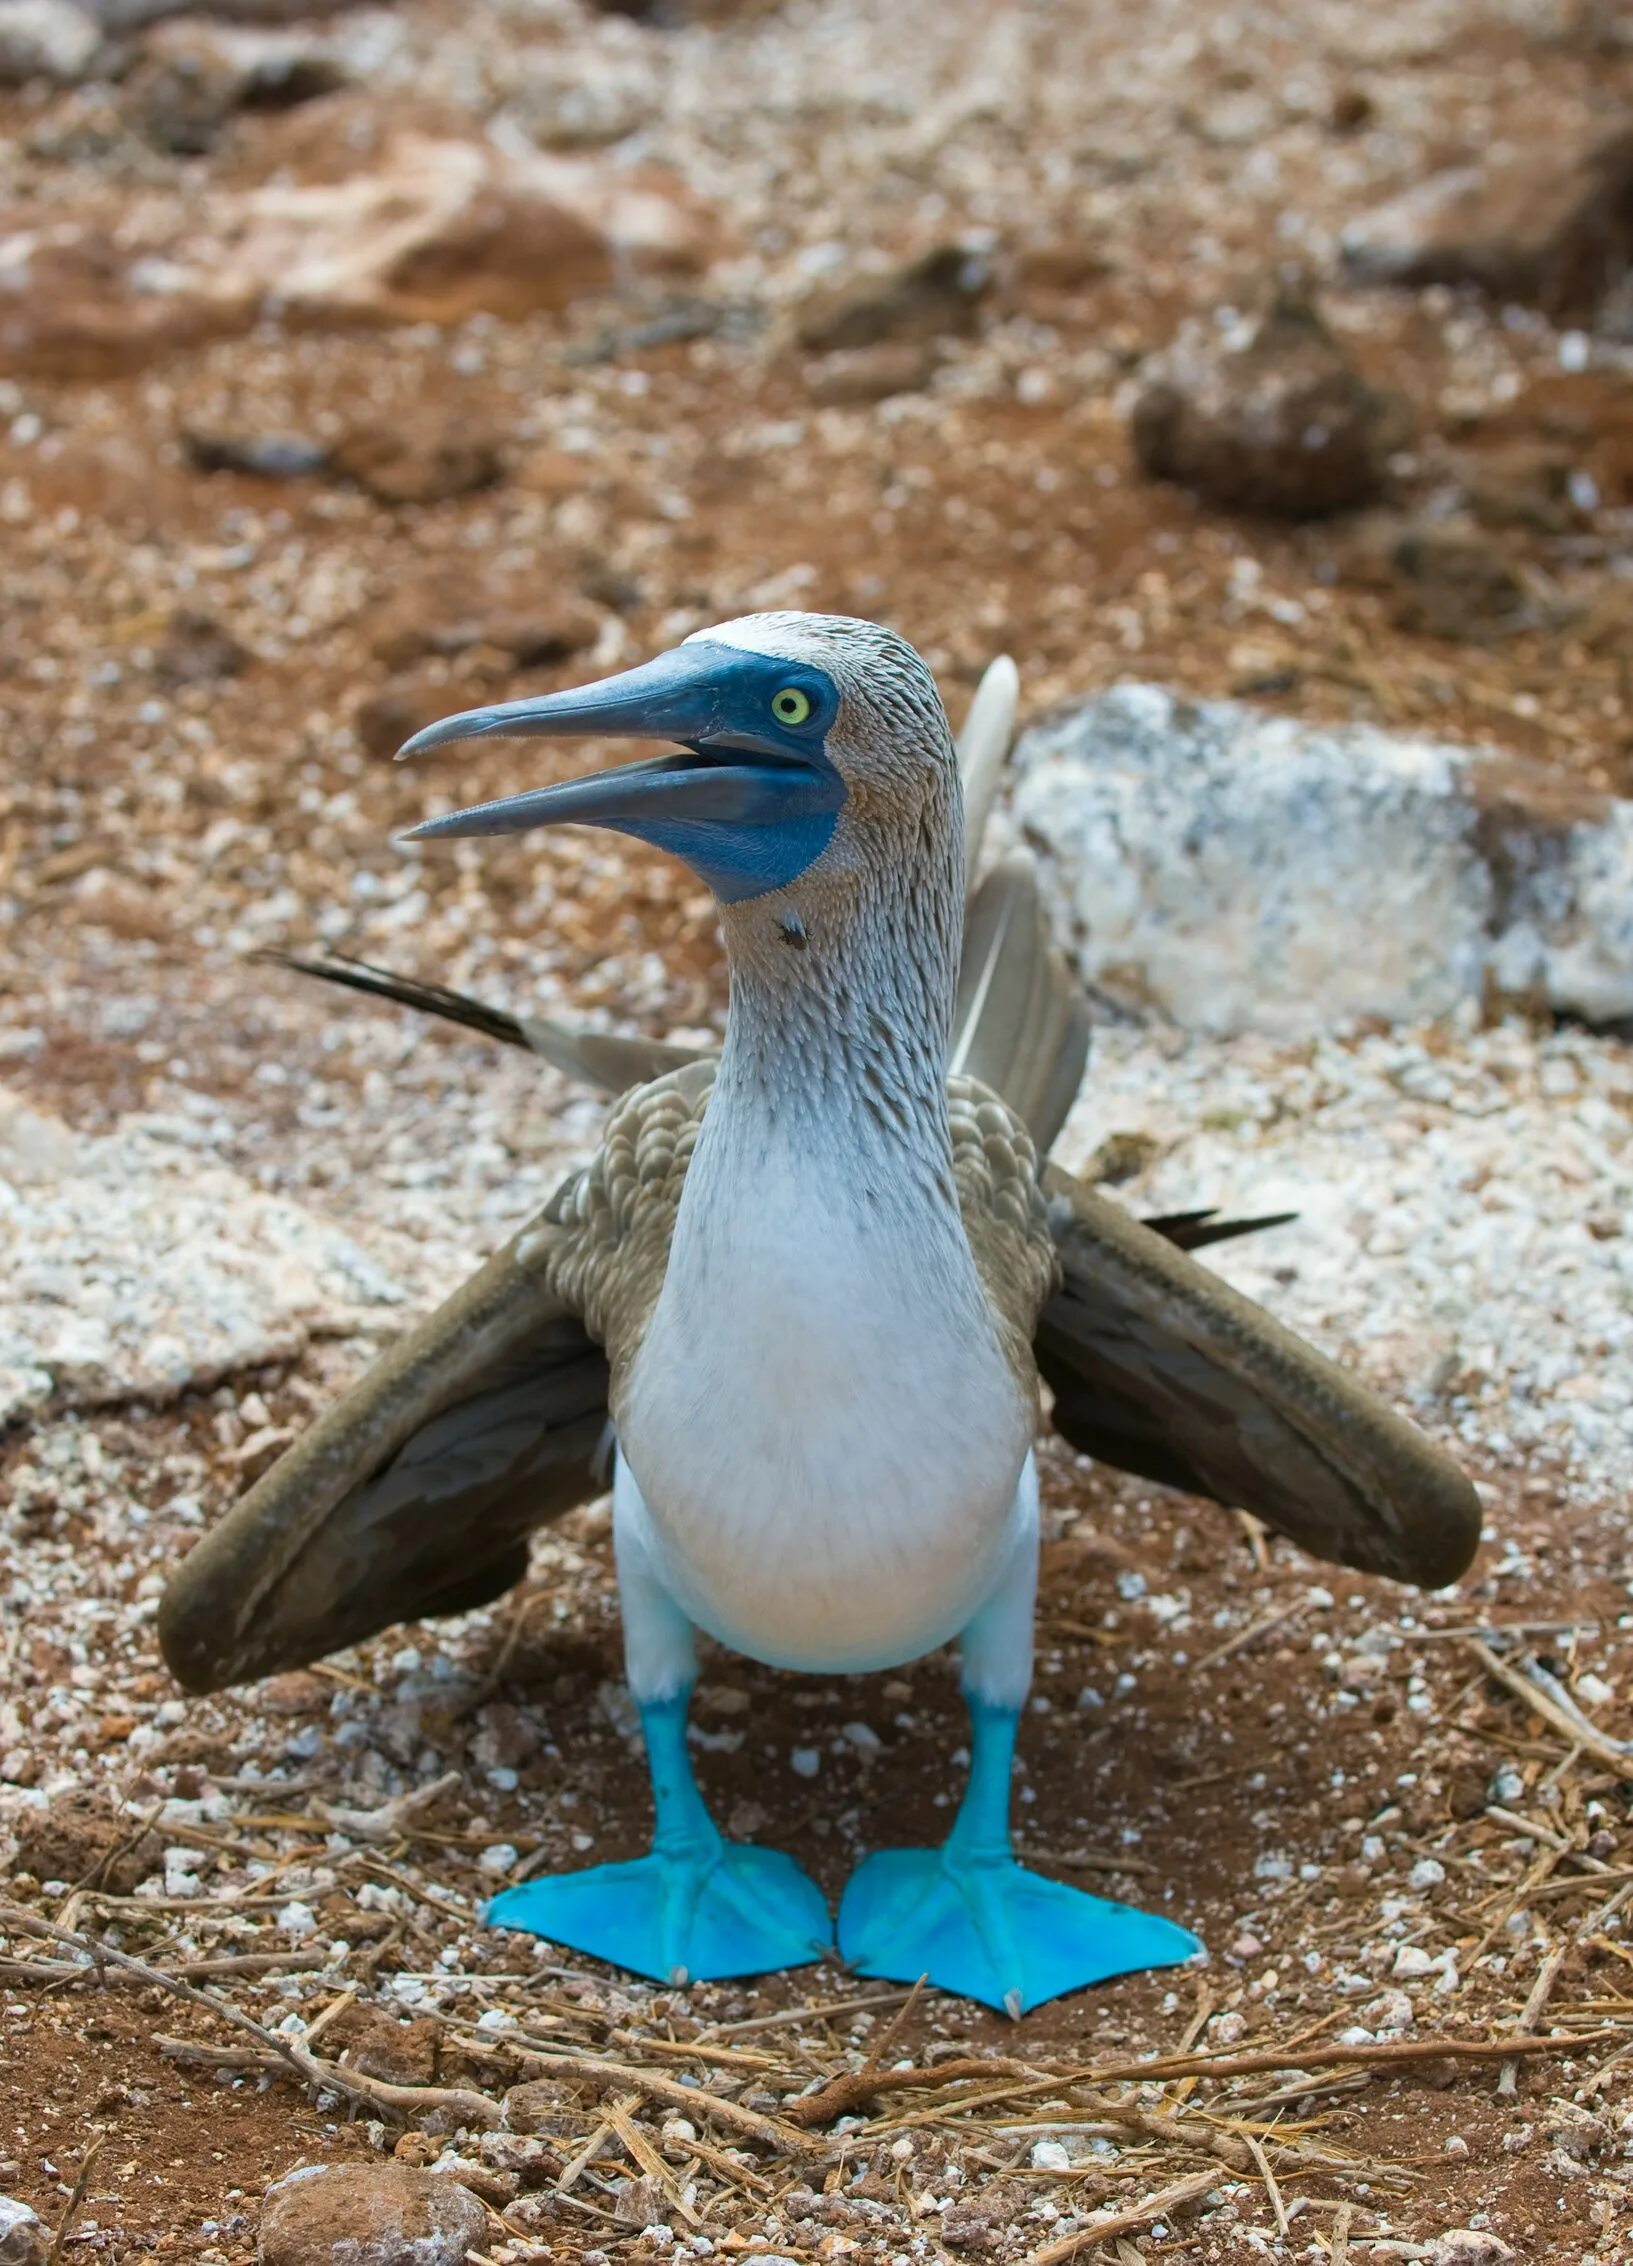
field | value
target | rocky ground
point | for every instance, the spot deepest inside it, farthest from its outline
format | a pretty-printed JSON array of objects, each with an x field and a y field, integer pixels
[{"x": 355, "y": 369}]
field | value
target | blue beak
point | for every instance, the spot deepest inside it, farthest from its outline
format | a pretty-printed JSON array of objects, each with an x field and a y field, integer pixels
[{"x": 749, "y": 804}]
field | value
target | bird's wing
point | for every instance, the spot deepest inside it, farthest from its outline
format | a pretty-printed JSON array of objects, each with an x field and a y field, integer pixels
[
  {"x": 416, "y": 1492},
  {"x": 1158, "y": 1367},
  {"x": 995, "y": 1170},
  {"x": 618, "y": 1214},
  {"x": 1021, "y": 1026},
  {"x": 413, "y": 1494}
]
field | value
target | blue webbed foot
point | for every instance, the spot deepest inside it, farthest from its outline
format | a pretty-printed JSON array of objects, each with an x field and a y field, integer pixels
[
  {"x": 985, "y": 1927},
  {"x": 697, "y": 1908},
  {"x": 693, "y": 1915}
]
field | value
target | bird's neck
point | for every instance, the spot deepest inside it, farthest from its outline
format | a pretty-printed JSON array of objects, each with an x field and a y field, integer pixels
[{"x": 841, "y": 1019}]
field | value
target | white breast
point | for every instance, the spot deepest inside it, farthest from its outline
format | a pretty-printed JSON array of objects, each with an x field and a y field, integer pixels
[{"x": 820, "y": 1419}]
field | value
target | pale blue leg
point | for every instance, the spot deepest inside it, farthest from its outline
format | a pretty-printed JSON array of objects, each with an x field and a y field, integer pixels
[
  {"x": 698, "y": 1907},
  {"x": 967, "y": 1915}
]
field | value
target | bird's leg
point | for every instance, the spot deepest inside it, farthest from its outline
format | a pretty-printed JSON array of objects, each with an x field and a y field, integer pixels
[
  {"x": 967, "y": 1914},
  {"x": 697, "y": 1907}
]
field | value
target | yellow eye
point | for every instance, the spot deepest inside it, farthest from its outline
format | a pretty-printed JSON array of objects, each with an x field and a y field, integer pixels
[{"x": 790, "y": 706}]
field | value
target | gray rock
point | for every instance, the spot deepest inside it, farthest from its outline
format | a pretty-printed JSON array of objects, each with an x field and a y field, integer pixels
[
  {"x": 1550, "y": 224},
  {"x": 937, "y": 295},
  {"x": 1272, "y": 417},
  {"x": 134, "y": 1267},
  {"x": 23, "y": 2240},
  {"x": 194, "y": 77},
  {"x": 45, "y": 39},
  {"x": 1232, "y": 870},
  {"x": 368, "y": 2215}
]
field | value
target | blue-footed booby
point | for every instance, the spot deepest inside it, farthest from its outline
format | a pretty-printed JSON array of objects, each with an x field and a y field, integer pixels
[{"x": 814, "y": 1283}]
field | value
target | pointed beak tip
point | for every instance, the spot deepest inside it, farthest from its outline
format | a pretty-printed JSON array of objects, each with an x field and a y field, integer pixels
[{"x": 430, "y": 736}]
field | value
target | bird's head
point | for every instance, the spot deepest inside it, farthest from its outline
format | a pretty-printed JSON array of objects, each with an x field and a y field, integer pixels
[{"x": 811, "y": 753}]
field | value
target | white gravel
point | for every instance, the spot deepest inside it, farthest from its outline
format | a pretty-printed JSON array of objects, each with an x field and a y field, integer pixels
[{"x": 1463, "y": 1199}]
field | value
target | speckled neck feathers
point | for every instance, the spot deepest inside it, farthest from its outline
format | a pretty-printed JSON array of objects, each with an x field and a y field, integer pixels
[{"x": 842, "y": 987}]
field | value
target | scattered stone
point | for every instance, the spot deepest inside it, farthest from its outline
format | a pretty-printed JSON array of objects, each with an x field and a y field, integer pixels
[
  {"x": 1272, "y": 418},
  {"x": 1235, "y": 115},
  {"x": 23, "y": 2240},
  {"x": 195, "y": 77},
  {"x": 402, "y": 2053},
  {"x": 1468, "y": 2246},
  {"x": 45, "y": 39},
  {"x": 368, "y": 2215},
  {"x": 198, "y": 650},
  {"x": 1351, "y": 108},
  {"x": 1452, "y": 581},
  {"x": 1551, "y": 225},
  {"x": 542, "y": 2106},
  {"x": 582, "y": 99},
  {"x": 938, "y": 295},
  {"x": 445, "y": 614},
  {"x": 494, "y": 2187},
  {"x": 1122, "y": 1156},
  {"x": 1528, "y": 486},
  {"x": 418, "y": 460},
  {"x": 425, "y": 228},
  {"x": 967, "y": 2227},
  {"x": 1235, "y": 870},
  {"x": 296, "y": 1692},
  {"x": 642, "y": 2203},
  {"x": 269, "y": 456},
  {"x": 861, "y": 374}
]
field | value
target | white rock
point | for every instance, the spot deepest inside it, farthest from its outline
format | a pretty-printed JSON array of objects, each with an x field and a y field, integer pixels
[
  {"x": 1234, "y": 870},
  {"x": 23, "y": 2240},
  {"x": 133, "y": 1268},
  {"x": 1451, "y": 1215},
  {"x": 1412, "y": 1959},
  {"x": 44, "y": 39},
  {"x": 1050, "y": 2156},
  {"x": 1389, "y": 2011},
  {"x": 1468, "y": 2246}
]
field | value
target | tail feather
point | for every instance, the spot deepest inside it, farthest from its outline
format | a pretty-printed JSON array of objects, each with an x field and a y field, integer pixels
[
  {"x": 406, "y": 991},
  {"x": 599, "y": 1058},
  {"x": 1194, "y": 1231},
  {"x": 983, "y": 750},
  {"x": 1021, "y": 1024}
]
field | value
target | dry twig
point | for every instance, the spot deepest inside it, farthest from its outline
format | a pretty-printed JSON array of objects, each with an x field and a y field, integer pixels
[
  {"x": 1567, "y": 1720},
  {"x": 1109, "y": 2224},
  {"x": 70, "y": 2210},
  {"x": 853, "y": 2089}
]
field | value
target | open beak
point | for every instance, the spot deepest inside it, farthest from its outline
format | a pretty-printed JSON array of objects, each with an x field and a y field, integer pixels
[{"x": 744, "y": 813}]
